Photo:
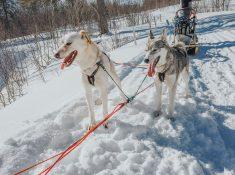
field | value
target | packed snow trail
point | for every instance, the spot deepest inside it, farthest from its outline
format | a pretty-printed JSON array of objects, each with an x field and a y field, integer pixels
[{"x": 200, "y": 141}]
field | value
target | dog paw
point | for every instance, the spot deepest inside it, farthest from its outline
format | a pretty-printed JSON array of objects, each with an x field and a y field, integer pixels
[
  {"x": 157, "y": 114},
  {"x": 98, "y": 102},
  {"x": 91, "y": 126}
]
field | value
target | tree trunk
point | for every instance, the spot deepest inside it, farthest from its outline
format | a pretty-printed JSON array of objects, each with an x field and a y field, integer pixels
[
  {"x": 6, "y": 20},
  {"x": 102, "y": 17}
]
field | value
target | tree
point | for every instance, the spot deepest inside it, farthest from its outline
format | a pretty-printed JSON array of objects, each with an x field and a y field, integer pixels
[
  {"x": 7, "y": 10},
  {"x": 102, "y": 16},
  {"x": 10, "y": 18}
]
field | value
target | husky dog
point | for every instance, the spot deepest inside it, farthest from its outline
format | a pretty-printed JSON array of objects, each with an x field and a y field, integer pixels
[
  {"x": 167, "y": 63},
  {"x": 79, "y": 47}
]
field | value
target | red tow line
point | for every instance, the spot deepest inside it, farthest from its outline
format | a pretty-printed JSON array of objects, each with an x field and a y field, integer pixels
[
  {"x": 73, "y": 146},
  {"x": 78, "y": 142}
]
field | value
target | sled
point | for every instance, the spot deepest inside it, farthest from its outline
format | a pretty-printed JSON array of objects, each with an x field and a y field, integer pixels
[{"x": 185, "y": 27}]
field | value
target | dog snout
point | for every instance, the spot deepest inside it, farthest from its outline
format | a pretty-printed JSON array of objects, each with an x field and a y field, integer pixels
[
  {"x": 146, "y": 60},
  {"x": 57, "y": 55}
]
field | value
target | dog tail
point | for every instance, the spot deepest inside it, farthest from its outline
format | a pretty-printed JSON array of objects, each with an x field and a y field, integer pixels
[{"x": 181, "y": 45}]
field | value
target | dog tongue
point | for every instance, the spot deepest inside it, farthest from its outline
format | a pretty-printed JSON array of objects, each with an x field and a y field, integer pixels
[
  {"x": 62, "y": 66},
  {"x": 151, "y": 70},
  {"x": 68, "y": 60}
]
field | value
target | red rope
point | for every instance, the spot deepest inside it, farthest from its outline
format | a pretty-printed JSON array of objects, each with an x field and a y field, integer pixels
[
  {"x": 78, "y": 142},
  {"x": 39, "y": 163},
  {"x": 73, "y": 146},
  {"x": 145, "y": 88}
]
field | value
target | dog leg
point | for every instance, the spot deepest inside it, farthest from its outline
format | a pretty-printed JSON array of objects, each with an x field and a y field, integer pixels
[
  {"x": 104, "y": 97},
  {"x": 98, "y": 100},
  {"x": 171, "y": 105},
  {"x": 185, "y": 75},
  {"x": 171, "y": 82},
  {"x": 90, "y": 106},
  {"x": 158, "y": 85}
]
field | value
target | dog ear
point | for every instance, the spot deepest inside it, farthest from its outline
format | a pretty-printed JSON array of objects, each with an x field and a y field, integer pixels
[
  {"x": 164, "y": 34},
  {"x": 151, "y": 36},
  {"x": 84, "y": 35}
]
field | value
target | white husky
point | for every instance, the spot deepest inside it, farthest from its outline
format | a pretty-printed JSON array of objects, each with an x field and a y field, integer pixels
[
  {"x": 167, "y": 63},
  {"x": 79, "y": 47}
]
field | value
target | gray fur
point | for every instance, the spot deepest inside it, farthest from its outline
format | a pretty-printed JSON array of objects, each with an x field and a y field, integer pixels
[
  {"x": 168, "y": 62},
  {"x": 177, "y": 58}
]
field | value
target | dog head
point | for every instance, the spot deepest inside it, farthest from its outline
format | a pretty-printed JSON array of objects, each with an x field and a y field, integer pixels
[
  {"x": 156, "y": 54},
  {"x": 72, "y": 45}
]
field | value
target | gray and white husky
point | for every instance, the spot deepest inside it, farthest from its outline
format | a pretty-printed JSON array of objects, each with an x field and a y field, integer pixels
[{"x": 167, "y": 63}]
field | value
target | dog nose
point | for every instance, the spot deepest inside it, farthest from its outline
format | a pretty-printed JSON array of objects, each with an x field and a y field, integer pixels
[
  {"x": 57, "y": 55},
  {"x": 146, "y": 60}
]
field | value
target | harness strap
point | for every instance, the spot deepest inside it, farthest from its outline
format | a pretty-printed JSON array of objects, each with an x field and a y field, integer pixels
[
  {"x": 161, "y": 76},
  {"x": 179, "y": 51},
  {"x": 183, "y": 53},
  {"x": 107, "y": 56},
  {"x": 91, "y": 78}
]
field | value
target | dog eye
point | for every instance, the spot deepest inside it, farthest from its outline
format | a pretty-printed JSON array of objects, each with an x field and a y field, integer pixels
[{"x": 68, "y": 44}]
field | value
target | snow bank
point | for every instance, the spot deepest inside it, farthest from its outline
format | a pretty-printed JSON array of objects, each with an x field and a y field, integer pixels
[{"x": 200, "y": 141}]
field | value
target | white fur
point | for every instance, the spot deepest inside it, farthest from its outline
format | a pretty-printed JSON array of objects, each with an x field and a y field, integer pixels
[{"x": 88, "y": 55}]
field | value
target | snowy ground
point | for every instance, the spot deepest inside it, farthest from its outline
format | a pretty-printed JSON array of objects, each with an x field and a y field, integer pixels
[{"x": 201, "y": 140}]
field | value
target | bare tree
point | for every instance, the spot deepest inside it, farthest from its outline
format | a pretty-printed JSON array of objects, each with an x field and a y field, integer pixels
[
  {"x": 11, "y": 77},
  {"x": 102, "y": 16},
  {"x": 43, "y": 26},
  {"x": 7, "y": 9}
]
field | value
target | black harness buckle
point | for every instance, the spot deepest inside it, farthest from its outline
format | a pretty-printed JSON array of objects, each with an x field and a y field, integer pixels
[
  {"x": 161, "y": 76},
  {"x": 91, "y": 78}
]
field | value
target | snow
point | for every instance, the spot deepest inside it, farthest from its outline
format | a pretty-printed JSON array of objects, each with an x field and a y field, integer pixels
[{"x": 200, "y": 141}]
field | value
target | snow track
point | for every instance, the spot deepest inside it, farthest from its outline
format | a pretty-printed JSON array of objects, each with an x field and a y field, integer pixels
[{"x": 200, "y": 141}]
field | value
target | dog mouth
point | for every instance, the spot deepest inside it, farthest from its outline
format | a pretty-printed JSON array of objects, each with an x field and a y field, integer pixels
[
  {"x": 69, "y": 59},
  {"x": 152, "y": 66}
]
